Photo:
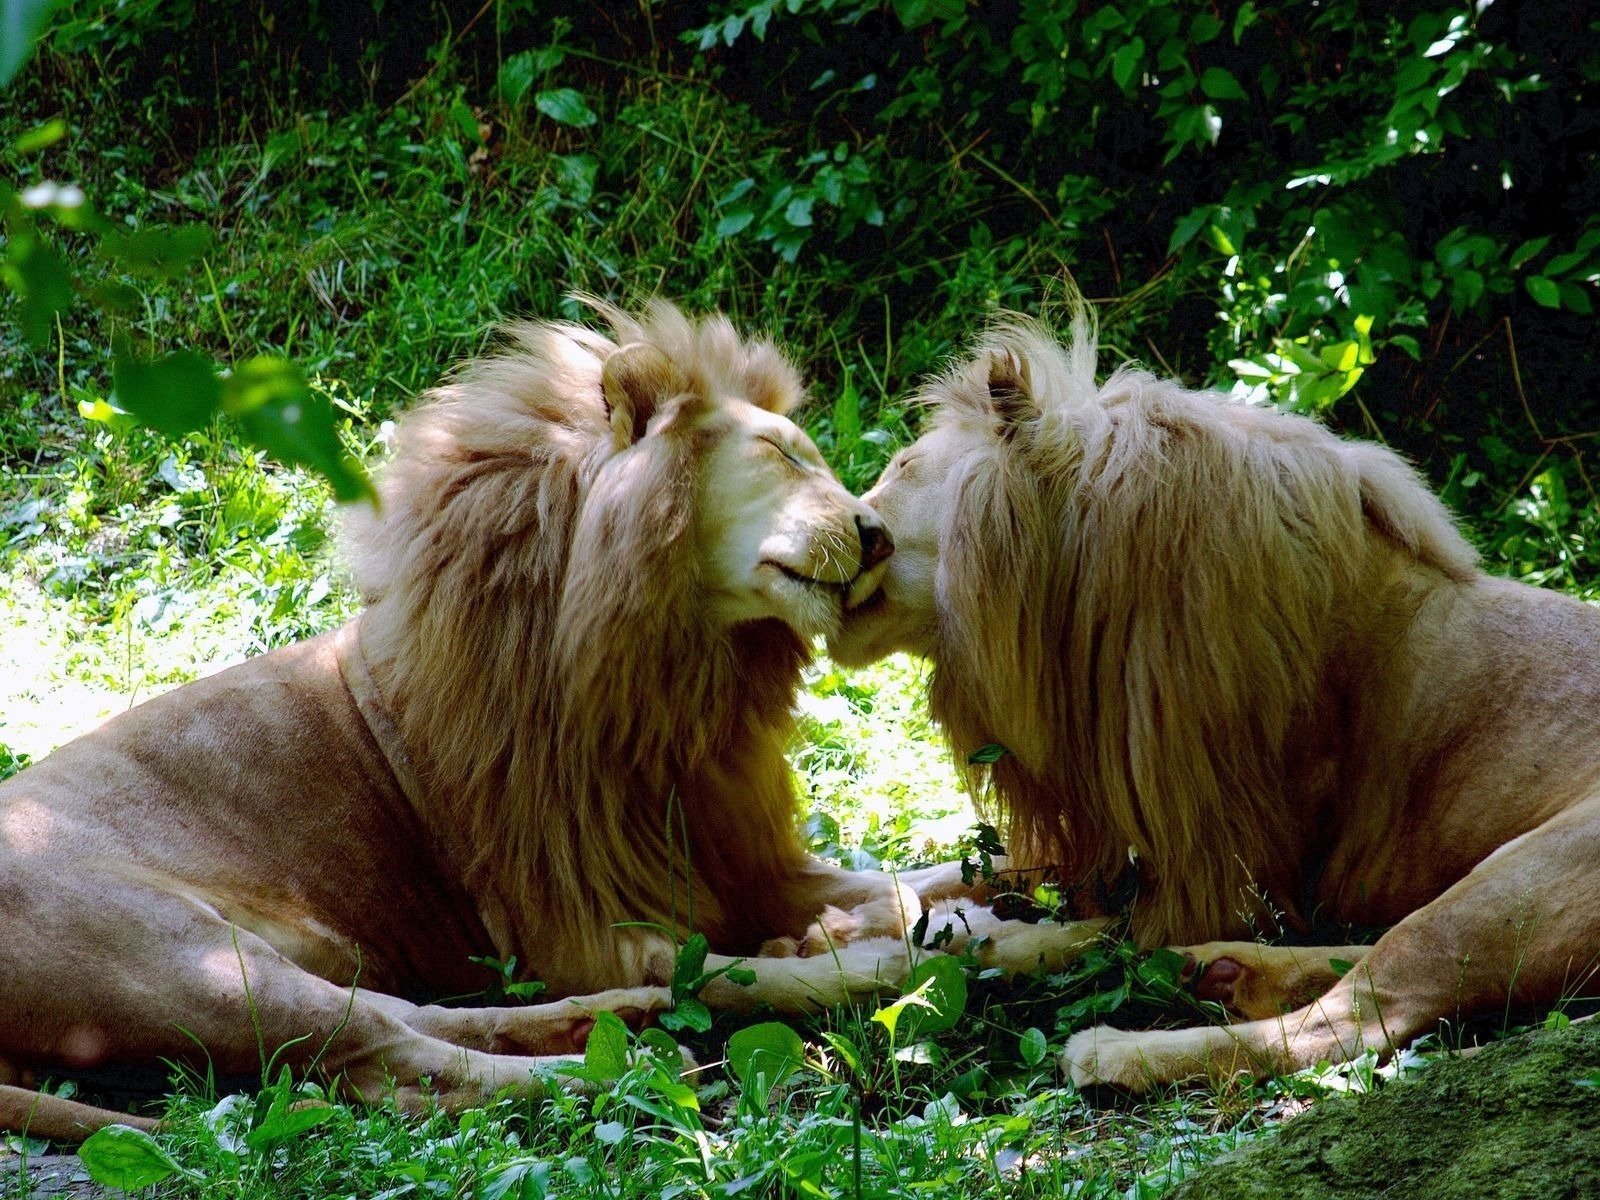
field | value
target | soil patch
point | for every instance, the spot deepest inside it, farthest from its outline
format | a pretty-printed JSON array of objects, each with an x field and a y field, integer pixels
[{"x": 1519, "y": 1119}]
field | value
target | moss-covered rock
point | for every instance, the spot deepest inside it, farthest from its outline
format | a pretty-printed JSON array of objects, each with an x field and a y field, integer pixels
[{"x": 1506, "y": 1123}]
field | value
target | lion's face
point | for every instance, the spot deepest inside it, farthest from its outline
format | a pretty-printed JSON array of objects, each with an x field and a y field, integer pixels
[
  {"x": 776, "y": 535},
  {"x": 913, "y": 496},
  {"x": 780, "y": 536}
]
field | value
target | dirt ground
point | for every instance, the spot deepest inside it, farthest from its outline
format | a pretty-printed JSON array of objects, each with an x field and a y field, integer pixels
[{"x": 1520, "y": 1119}]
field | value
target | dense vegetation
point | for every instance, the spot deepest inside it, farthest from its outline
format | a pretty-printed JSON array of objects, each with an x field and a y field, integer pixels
[{"x": 1383, "y": 214}]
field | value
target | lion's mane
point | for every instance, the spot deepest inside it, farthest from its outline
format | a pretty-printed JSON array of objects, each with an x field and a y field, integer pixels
[
  {"x": 1140, "y": 595},
  {"x": 580, "y": 733}
]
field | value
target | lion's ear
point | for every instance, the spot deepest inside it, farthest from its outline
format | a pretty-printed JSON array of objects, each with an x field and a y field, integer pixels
[
  {"x": 637, "y": 380},
  {"x": 1010, "y": 389}
]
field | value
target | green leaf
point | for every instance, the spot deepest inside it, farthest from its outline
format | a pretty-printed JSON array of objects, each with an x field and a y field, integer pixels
[
  {"x": 1219, "y": 84},
  {"x": 688, "y": 1013},
  {"x": 764, "y": 1056},
  {"x": 606, "y": 1054},
  {"x": 21, "y": 23},
  {"x": 120, "y": 1156},
  {"x": 40, "y": 137},
  {"x": 946, "y": 993},
  {"x": 1127, "y": 62},
  {"x": 40, "y": 277},
  {"x": 1544, "y": 291},
  {"x": 293, "y": 423},
  {"x": 1528, "y": 249},
  {"x": 1032, "y": 1046},
  {"x": 1574, "y": 297},
  {"x": 690, "y": 964},
  {"x": 174, "y": 395},
  {"x": 160, "y": 251},
  {"x": 565, "y": 106},
  {"x": 798, "y": 212},
  {"x": 734, "y": 222},
  {"x": 991, "y": 753},
  {"x": 1341, "y": 967},
  {"x": 284, "y": 1122},
  {"x": 517, "y": 75}
]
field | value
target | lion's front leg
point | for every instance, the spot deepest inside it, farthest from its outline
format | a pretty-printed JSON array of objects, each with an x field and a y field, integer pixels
[{"x": 835, "y": 908}]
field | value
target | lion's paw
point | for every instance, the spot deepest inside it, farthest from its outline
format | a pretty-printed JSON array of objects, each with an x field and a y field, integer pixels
[{"x": 1103, "y": 1055}]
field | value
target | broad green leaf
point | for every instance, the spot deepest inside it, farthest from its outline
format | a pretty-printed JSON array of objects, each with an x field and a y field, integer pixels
[
  {"x": 991, "y": 753},
  {"x": 1127, "y": 62},
  {"x": 690, "y": 963},
  {"x": 40, "y": 137},
  {"x": 21, "y": 24},
  {"x": 1544, "y": 291},
  {"x": 39, "y": 275},
  {"x": 764, "y": 1056},
  {"x": 734, "y": 222},
  {"x": 287, "y": 1122},
  {"x": 566, "y": 106},
  {"x": 1032, "y": 1046},
  {"x": 1529, "y": 249},
  {"x": 517, "y": 75},
  {"x": 688, "y": 1013},
  {"x": 1219, "y": 84},
  {"x": 174, "y": 395},
  {"x": 159, "y": 251},
  {"x": 606, "y": 1055},
  {"x": 946, "y": 993},
  {"x": 293, "y": 423},
  {"x": 1574, "y": 297},
  {"x": 120, "y": 1156}
]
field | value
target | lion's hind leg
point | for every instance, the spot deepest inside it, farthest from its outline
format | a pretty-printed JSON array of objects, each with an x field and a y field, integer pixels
[
  {"x": 1522, "y": 927},
  {"x": 171, "y": 974}
]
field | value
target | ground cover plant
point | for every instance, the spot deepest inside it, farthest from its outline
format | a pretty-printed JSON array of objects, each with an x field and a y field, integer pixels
[{"x": 1385, "y": 217}]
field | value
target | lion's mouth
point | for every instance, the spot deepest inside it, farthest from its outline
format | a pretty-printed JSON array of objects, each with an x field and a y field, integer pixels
[{"x": 865, "y": 590}]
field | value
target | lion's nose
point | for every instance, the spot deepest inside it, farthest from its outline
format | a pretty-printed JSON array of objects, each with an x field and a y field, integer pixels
[{"x": 876, "y": 544}]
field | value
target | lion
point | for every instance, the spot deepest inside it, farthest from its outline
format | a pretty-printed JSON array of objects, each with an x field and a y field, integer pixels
[
  {"x": 554, "y": 734},
  {"x": 1262, "y": 664}
]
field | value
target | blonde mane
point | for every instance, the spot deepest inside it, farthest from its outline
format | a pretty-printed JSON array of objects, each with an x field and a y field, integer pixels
[
  {"x": 535, "y": 626},
  {"x": 1140, "y": 589}
]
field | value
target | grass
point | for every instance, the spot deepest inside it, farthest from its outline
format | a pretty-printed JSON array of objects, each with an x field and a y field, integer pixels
[{"x": 376, "y": 247}]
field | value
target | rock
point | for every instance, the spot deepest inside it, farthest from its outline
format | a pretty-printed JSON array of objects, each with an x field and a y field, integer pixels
[{"x": 1508, "y": 1122}]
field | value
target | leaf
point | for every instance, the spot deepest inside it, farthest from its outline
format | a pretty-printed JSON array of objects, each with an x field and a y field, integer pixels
[
  {"x": 688, "y": 1013},
  {"x": 1126, "y": 63},
  {"x": 120, "y": 1156},
  {"x": 293, "y": 423},
  {"x": 991, "y": 753},
  {"x": 690, "y": 964},
  {"x": 1219, "y": 84},
  {"x": 1574, "y": 297},
  {"x": 946, "y": 992},
  {"x": 21, "y": 23},
  {"x": 46, "y": 285},
  {"x": 1032, "y": 1046},
  {"x": 1544, "y": 291},
  {"x": 160, "y": 251},
  {"x": 40, "y": 137},
  {"x": 798, "y": 212},
  {"x": 517, "y": 75},
  {"x": 174, "y": 395},
  {"x": 287, "y": 1122},
  {"x": 606, "y": 1054},
  {"x": 1529, "y": 249},
  {"x": 1341, "y": 967},
  {"x": 764, "y": 1056},
  {"x": 734, "y": 222},
  {"x": 566, "y": 106}
]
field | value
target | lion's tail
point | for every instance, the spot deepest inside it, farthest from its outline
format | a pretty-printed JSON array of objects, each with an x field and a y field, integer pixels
[{"x": 38, "y": 1114}]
